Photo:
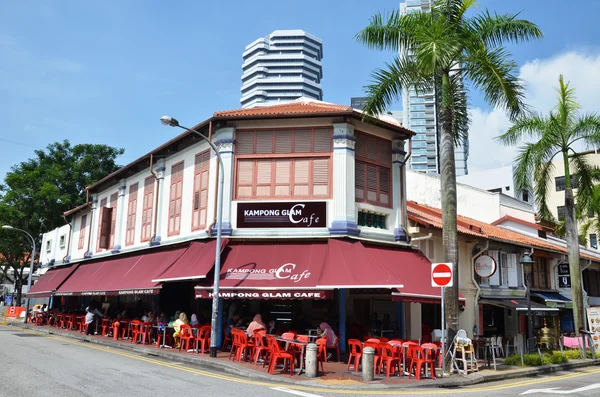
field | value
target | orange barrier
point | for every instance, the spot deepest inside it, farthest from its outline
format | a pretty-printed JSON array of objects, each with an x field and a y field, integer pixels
[{"x": 14, "y": 311}]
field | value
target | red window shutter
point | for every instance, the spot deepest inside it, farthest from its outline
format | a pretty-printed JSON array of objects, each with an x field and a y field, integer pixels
[
  {"x": 244, "y": 143},
  {"x": 301, "y": 178},
  {"x": 245, "y": 173},
  {"x": 131, "y": 213},
  {"x": 322, "y": 141},
  {"x": 302, "y": 141},
  {"x": 105, "y": 221},
  {"x": 147, "y": 207},
  {"x": 372, "y": 149},
  {"x": 359, "y": 169},
  {"x": 360, "y": 147},
  {"x": 200, "y": 197},
  {"x": 320, "y": 178},
  {"x": 282, "y": 178},
  {"x": 384, "y": 185},
  {"x": 264, "y": 142},
  {"x": 385, "y": 151},
  {"x": 82, "y": 230},
  {"x": 263, "y": 178},
  {"x": 102, "y": 205},
  {"x": 113, "y": 220},
  {"x": 371, "y": 183},
  {"x": 283, "y": 142},
  {"x": 175, "y": 199}
]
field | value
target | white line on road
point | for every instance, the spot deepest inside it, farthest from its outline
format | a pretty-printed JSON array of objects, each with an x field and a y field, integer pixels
[
  {"x": 296, "y": 392},
  {"x": 554, "y": 391}
]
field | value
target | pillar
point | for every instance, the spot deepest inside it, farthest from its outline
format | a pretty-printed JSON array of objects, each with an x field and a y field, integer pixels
[
  {"x": 161, "y": 211},
  {"x": 343, "y": 219},
  {"x": 51, "y": 303},
  {"x": 224, "y": 140},
  {"x": 415, "y": 321},
  {"x": 220, "y": 323},
  {"x": 400, "y": 319},
  {"x": 342, "y": 320},
  {"x": 121, "y": 210},
  {"x": 94, "y": 225},
  {"x": 399, "y": 190}
]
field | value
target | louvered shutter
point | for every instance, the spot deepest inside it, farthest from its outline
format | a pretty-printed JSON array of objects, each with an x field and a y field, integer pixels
[
  {"x": 282, "y": 178},
  {"x": 244, "y": 182},
  {"x": 264, "y": 142},
  {"x": 371, "y": 183},
  {"x": 359, "y": 172},
  {"x": 384, "y": 186},
  {"x": 105, "y": 218},
  {"x": 283, "y": 142},
  {"x": 263, "y": 178},
  {"x": 513, "y": 270},
  {"x": 372, "y": 149},
  {"x": 301, "y": 177},
  {"x": 322, "y": 141},
  {"x": 302, "y": 141},
  {"x": 320, "y": 177},
  {"x": 244, "y": 143},
  {"x": 495, "y": 278}
]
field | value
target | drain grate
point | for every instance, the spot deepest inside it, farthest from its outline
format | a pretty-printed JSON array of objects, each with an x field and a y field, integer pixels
[{"x": 27, "y": 335}]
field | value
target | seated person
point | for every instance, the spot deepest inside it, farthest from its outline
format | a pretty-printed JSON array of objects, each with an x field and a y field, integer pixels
[{"x": 177, "y": 327}]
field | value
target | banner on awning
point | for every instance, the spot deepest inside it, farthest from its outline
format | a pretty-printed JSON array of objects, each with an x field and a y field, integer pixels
[{"x": 241, "y": 294}]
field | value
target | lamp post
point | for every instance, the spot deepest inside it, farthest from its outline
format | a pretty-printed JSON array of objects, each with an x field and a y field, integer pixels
[
  {"x": 7, "y": 227},
  {"x": 526, "y": 261},
  {"x": 171, "y": 122}
]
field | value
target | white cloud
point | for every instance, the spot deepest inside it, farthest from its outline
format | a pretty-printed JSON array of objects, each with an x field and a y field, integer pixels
[{"x": 541, "y": 79}]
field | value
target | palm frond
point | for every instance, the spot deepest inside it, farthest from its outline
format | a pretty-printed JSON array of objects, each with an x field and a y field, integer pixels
[
  {"x": 495, "y": 74},
  {"x": 585, "y": 230},
  {"x": 387, "y": 83},
  {"x": 567, "y": 106},
  {"x": 496, "y": 30},
  {"x": 523, "y": 128},
  {"x": 391, "y": 32},
  {"x": 458, "y": 103},
  {"x": 452, "y": 10},
  {"x": 587, "y": 128},
  {"x": 582, "y": 173}
]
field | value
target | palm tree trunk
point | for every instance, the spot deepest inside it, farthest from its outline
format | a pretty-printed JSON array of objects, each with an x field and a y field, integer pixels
[
  {"x": 573, "y": 247},
  {"x": 449, "y": 232}
]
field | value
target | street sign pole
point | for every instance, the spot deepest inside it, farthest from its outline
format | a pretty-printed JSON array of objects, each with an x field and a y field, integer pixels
[
  {"x": 443, "y": 335},
  {"x": 442, "y": 276}
]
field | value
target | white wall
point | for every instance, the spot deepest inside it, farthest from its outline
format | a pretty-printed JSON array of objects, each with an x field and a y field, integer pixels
[{"x": 54, "y": 245}]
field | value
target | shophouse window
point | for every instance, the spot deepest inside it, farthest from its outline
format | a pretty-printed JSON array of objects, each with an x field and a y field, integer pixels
[
  {"x": 147, "y": 208},
  {"x": 113, "y": 219},
  {"x": 175, "y": 199},
  {"x": 593, "y": 241},
  {"x": 104, "y": 225},
  {"x": 283, "y": 164},
  {"x": 540, "y": 275},
  {"x": 591, "y": 282},
  {"x": 507, "y": 271},
  {"x": 561, "y": 183},
  {"x": 82, "y": 231},
  {"x": 561, "y": 212},
  {"x": 373, "y": 170},
  {"x": 131, "y": 212},
  {"x": 200, "y": 198}
]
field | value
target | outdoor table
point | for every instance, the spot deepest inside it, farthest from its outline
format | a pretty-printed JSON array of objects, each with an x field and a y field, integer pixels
[
  {"x": 486, "y": 345},
  {"x": 295, "y": 342},
  {"x": 310, "y": 336},
  {"x": 164, "y": 341}
]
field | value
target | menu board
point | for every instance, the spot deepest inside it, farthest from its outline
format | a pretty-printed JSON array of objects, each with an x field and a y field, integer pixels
[{"x": 593, "y": 314}]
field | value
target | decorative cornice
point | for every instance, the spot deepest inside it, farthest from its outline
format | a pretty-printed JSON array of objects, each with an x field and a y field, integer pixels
[{"x": 225, "y": 145}]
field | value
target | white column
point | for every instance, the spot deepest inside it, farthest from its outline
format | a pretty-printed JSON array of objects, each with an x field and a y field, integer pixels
[
  {"x": 399, "y": 190},
  {"x": 224, "y": 140},
  {"x": 415, "y": 321},
  {"x": 343, "y": 213},
  {"x": 121, "y": 210},
  {"x": 161, "y": 211},
  {"x": 94, "y": 223}
]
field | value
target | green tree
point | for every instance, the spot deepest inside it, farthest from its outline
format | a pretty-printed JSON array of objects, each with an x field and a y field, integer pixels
[
  {"x": 449, "y": 51},
  {"x": 37, "y": 192},
  {"x": 556, "y": 135}
]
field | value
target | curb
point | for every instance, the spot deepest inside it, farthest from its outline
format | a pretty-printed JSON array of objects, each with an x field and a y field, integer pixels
[{"x": 232, "y": 369}]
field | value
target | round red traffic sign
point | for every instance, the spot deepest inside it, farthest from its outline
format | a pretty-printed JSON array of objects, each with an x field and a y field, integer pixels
[{"x": 441, "y": 275}]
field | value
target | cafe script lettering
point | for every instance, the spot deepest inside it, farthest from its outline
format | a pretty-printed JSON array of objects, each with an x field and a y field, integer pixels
[
  {"x": 283, "y": 272},
  {"x": 282, "y": 214}
]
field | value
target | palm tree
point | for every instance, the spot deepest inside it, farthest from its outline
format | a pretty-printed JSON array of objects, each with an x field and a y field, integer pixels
[
  {"x": 449, "y": 51},
  {"x": 556, "y": 135}
]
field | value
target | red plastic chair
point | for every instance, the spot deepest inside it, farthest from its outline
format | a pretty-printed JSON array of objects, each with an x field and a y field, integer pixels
[
  {"x": 84, "y": 327},
  {"x": 136, "y": 330},
  {"x": 321, "y": 352},
  {"x": 81, "y": 323},
  {"x": 186, "y": 337},
  {"x": 146, "y": 332},
  {"x": 389, "y": 358},
  {"x": 71, "y": 322},
  {"x": 125, "y": 328},
  {"x": 355, "y": 348},
  {"x": 278, "y": 354},
  {"x": 244, "y": 346},
  {"x": 260, "y": 346},
  {"x": 226, "y": 340},
  {"x": 204, "y": 337},
  {"x": 407, "y": 353},
  {"x": 420, "y": 361},
  {"x": 115, "y": 327},
  {"x": 377, "y": 356},
  {"x": 160, "y": 334},
  {"x": 335, "y": 347},
  {"x": 105, "y": 324},
  {"x": 384, "y": 340}
]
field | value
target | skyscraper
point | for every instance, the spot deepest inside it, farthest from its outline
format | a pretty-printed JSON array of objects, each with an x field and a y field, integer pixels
[
  {"x": 282, "y": 67},
  {"x": 420, "y": 116}
]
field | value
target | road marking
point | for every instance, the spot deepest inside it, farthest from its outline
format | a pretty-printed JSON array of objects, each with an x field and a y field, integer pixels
[
  {"x": 429, "y": 392},
  {"x": 296, "y": 392},
  {"x": 554, "y": 391}
]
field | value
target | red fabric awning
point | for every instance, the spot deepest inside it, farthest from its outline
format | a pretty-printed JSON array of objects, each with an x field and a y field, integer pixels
[
  {"x": 195, "y": 263},
  {"x": 263, "y": 267},
  {"x": 130, "y": 275},
  {"x": 352, "y": 265},
  {"x": 50, "y": 281}
]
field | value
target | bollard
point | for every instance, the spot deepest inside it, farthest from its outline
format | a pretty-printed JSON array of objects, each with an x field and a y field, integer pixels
[
  {"x": 368, "y": 369},
  {"x": 311, "y": 363}
]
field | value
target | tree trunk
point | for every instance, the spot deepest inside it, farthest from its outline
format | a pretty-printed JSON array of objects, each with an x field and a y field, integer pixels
[
  {"x": 574, "y": 263},
  {"x": 449, "y": 232}
]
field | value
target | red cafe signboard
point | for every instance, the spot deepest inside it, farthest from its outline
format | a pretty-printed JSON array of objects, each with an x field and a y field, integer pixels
[
  {"x": 282, "y": 214},
  {"x": 248, "y": 294},
  {"x": 485, "y": 266}
]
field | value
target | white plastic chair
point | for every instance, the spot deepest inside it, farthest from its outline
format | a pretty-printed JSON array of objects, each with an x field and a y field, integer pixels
[{"x": 498, "y": 346}]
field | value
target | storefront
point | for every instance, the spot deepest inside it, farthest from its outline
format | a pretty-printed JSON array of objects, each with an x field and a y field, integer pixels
[{"x": 561, "y": 324}]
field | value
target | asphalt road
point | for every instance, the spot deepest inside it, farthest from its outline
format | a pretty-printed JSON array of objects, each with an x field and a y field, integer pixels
[{"x": 36, "y": 365}]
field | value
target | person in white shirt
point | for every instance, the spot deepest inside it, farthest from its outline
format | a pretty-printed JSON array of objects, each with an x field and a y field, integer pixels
[{"x": 90, "y": 316}]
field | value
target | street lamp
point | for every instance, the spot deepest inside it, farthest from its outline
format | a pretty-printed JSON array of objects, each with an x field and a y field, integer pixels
[
  {"x": 8, "y": 227},
  {"x": 526, "y": 261},
  {"x": 171, "y": 122}
]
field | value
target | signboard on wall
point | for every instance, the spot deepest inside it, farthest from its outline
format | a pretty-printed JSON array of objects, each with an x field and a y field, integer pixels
[
  {"x": 485, "y": 266},
  {"x": 593, "y": 315},
  {"x": 282, "y": 214},
  {"x": 564, "y": 276}
]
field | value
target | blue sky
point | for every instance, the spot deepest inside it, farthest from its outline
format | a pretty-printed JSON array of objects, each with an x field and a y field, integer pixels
[{"x": 105, "y": 71}]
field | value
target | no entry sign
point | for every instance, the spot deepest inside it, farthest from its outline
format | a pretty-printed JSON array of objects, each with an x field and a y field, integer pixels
[{"x": 441, "y": 274}]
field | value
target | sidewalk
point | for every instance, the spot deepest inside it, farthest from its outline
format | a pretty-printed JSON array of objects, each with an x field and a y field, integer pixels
[{"x": 336, "y": 374}]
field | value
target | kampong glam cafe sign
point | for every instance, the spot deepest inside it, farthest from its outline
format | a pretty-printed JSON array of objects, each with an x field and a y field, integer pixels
[{"x": 282, "y": 214}]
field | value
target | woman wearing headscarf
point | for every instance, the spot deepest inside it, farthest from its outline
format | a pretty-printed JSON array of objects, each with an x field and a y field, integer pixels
[
  {"x": 325, "y": 331},
  {"x": 194, "y": 320},
  {"x": 256, "y": 323}
]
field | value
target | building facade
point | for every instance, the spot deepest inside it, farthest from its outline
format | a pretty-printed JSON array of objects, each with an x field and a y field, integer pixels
[
  {"x": 281, "y": 67},
  {"x": 497, "y": 180},
  {"x": 420, "y": 115}
]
